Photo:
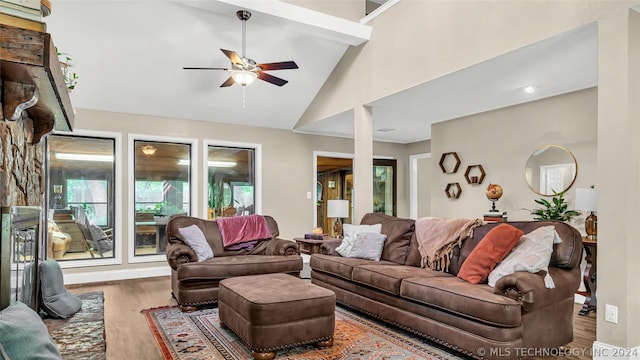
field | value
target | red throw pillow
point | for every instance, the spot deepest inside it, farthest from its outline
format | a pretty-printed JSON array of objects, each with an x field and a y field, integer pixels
[{"x": 489, "y": 252}]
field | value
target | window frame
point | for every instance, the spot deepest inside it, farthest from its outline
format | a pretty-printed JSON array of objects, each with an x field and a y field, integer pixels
[
  {"x": 193, "y": 176},
  {"x": 257, "y": 190},
  {"x": 118, "y": 224}
]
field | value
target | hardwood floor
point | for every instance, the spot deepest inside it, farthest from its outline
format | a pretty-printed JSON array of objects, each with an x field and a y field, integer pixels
[{"x": 128, "y": 335}]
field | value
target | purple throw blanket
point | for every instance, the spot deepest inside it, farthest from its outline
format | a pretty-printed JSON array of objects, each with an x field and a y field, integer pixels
[{"x": 241, "y": 229}]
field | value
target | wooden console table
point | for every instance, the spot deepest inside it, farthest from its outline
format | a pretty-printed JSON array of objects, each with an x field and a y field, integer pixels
[
  {"x": 589, "y": 276},
  {"x": 311, "y": 246}
]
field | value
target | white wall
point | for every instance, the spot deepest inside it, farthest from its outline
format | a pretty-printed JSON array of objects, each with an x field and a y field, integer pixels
[{"x": 502, "y": 141}]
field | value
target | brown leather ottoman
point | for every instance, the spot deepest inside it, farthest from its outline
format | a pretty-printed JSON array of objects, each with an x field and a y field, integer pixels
[{"x": 274, "y": 311}]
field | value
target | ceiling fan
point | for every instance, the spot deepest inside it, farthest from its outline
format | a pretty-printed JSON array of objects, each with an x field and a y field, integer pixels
[{"x": 244, "y": 71}]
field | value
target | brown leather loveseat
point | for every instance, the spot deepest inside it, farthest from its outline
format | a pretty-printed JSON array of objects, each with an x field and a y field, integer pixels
[
  {"x": 196, "y": 283},
  {"x": 518, "y": 316}
]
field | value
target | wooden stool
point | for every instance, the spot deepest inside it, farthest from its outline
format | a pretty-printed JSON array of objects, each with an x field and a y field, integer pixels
[{"x": 275, "y": 311}]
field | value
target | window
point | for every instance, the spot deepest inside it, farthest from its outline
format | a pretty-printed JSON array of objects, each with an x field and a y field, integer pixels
[
  {"x": 92, "y": 195},
  {"x": 162, "y": 189},
  {"x": 231, "y": 181},
  {"x": 80, "y": 197}
]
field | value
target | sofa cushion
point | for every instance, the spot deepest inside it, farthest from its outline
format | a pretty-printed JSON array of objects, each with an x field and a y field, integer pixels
[
  {"x": 194, "y": 237},
  {"x": 414, "y": 258},
  {"x": 368, "y": 246},
  {"x": 389, "y": 277},
  {"x": 350, "y": 234},
  {"x": 24, "y": 336},
  {"x": 491, "y": 249},
  {"x": 229, "y": 266},
  {"x": 57, "y": 302},
  {"x": 567, "y": 254},
  {"x": 532, "y": 254},
  {"x": 338, "y": 265},
  {"x": 398, "y": 233},
  {"x": 460, "y": 297}
]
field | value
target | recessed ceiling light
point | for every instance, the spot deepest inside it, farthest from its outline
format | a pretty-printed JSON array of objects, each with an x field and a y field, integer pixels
[
  {"x": 529, "y": 89},
  {"x": 84, "y": 157},
  {"x": 211, "y": 163}
]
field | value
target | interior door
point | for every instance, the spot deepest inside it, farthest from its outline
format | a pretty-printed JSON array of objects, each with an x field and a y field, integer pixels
[{"x": 384, "y": 186}]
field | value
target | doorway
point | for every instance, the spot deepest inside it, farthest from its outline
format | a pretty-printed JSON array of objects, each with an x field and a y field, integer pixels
[{"x": 334, "y": 180}]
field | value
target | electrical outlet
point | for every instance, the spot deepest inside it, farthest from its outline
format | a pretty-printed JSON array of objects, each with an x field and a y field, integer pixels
[{"x": 611, "y": 313}]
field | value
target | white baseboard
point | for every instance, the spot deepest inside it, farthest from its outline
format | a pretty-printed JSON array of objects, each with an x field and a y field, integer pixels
[
  {"x": 601, "y": 351},
  {"x": 579, "y": 299},
  {"x": 112, "y": 275}
]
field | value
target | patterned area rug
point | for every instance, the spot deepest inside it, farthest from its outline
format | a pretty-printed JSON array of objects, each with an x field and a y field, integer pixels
[
  {"x": 198, "y": 335},
  {"x": 82, "y": 335}
]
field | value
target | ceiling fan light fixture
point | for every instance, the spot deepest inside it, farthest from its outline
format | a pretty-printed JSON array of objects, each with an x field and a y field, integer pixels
[
  {"x": 244, "y": 77},
  {"x": 149, "y": 150}
]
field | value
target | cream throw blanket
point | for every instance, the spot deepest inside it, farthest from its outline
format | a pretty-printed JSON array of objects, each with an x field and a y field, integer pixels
[{"x": 438, "y": 236}]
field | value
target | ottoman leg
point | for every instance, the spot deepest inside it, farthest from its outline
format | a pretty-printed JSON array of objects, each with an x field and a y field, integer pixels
[
  {"x": 187, "y": 308},
  {"x": 223, "y": 325},
  {"x": 325, "y": 344},
  {"x": 264, "y": 355}
]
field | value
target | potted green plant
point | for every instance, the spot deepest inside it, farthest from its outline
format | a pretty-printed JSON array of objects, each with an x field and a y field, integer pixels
[
  {"x": 556, "y": 209},
  {"x": 70, "y": 77}
]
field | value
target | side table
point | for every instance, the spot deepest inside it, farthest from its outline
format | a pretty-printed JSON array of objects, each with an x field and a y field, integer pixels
[
  {"x": 311, "y": 246},
  {"x": 589, "y": 276}
]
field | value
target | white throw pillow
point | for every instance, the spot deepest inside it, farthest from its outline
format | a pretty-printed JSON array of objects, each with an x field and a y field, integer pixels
[
  {"x": 350, "y": 234},
  {"x": 368, "y": 246},
  {"x": 194, "y": 237},
  {"x": 532, "y": 254}
]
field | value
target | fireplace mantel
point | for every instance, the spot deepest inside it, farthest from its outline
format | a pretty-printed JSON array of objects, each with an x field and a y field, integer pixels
[{"x": 32, "y": 81}]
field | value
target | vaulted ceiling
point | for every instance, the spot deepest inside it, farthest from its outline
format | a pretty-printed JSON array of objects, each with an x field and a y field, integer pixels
[{"x": 129, "y": 56}]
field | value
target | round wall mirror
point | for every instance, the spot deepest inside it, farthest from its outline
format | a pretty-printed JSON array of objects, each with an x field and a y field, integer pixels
[{"x": 551, "y": 168}]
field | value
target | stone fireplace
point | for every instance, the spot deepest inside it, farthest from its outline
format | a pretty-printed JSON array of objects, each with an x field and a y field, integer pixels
[
  {"x": 34, "y": 101},
  {"x": 22, "y": 168}
]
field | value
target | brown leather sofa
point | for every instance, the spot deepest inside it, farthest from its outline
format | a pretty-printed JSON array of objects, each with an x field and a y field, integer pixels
[
  {"x": 196, "y": 283},
  {"x": 513, "y": 319}
]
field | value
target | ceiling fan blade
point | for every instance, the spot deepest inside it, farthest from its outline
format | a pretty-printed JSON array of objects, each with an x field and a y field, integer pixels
[
  {"x": 284, "y": 65},
  {"x": 233, "y": 56},
  {"x": 203, "y": 68},
  {"x": 229, "y": 82},
  {"x": 271, "y": 79}
]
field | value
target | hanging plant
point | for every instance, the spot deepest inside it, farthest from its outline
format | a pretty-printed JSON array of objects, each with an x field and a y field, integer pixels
[{"x": 70, "y": 77}]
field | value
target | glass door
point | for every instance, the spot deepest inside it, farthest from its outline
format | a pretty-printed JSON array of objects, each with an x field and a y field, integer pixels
[{"x": 384, "y": 187}]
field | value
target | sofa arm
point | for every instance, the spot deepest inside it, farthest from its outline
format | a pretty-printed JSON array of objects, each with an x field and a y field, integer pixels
[
  {"x": 529, "y": 290},
  {"x": 180, "y": 254},
  {"x": 328, "y": 247},
  {"x": 277, "y": 246}
]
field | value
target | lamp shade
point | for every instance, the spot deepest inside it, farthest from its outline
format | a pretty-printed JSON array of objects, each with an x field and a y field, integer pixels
[
  {"x": 338, "y": 208},
  {"x": 243, "y": 77},
  {"x": 587, "y": 199}
]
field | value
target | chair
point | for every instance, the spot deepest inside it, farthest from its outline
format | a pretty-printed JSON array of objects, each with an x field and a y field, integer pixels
[
  {"x": 96, "y": 238},
  {"x": 229, "y": 211},
  {"x": 145, "y": 231}
]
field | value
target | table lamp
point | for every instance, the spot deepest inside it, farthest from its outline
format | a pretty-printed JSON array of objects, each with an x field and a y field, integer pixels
[
  {"x": 337, "y": 209},
  {"x": 587, "y": 200},
  {"x": 57, "y": 196}
]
